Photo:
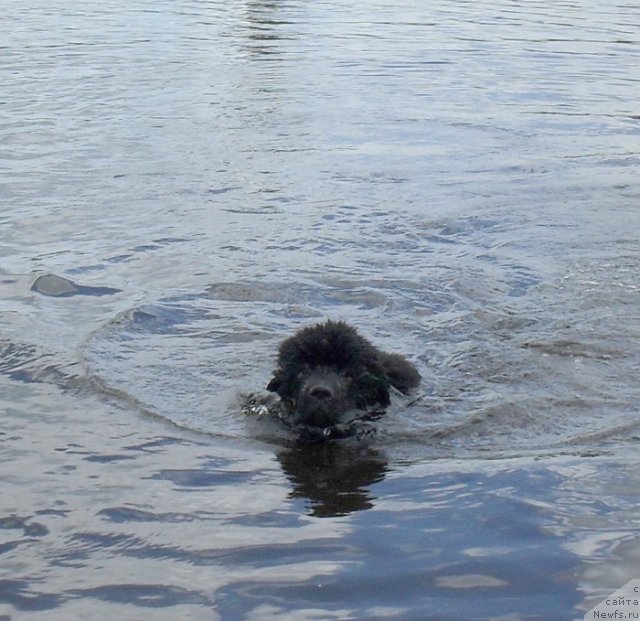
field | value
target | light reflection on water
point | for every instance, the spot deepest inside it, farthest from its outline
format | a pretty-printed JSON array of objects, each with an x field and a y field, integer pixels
[{"x": 187, "y": 184}]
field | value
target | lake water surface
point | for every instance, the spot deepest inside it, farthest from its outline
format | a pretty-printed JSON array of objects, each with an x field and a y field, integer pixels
[{"x": 184, "y": 184}]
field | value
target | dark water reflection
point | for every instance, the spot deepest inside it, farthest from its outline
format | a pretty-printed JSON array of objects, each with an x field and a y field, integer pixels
[
  {"x": 335, "y": 477},
  {"x": 185, "y": 184}
]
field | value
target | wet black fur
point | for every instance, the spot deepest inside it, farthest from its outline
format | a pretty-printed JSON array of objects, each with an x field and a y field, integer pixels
[{"x": 332, "y": 354}]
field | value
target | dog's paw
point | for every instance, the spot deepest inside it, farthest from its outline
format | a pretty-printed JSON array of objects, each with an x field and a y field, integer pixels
[{"x": 261, "y": 405}]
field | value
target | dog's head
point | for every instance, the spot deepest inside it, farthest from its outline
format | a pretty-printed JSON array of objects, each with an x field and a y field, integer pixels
[{"x": 326, "y": 371}]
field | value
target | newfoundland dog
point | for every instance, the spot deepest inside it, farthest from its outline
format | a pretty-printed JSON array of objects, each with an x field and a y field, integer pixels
[{"x": 327, "y": 371}]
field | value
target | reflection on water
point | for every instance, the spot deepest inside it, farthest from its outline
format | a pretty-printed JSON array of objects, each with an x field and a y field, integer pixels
[
  {"x": 263, "y": 29},
  {"x": 187, "y": 183},
  {"x": 335, "y": 477}
]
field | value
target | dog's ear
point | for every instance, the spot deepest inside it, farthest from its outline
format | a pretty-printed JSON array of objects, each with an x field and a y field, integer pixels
[{"x": 399, "y": 371}]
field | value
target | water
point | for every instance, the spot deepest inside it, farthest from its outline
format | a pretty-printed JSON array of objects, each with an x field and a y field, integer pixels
[{"x": 184, "y": 184}]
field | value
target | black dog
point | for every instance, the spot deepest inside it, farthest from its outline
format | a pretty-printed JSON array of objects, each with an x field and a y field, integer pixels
[{"x": 327, "y": 370}]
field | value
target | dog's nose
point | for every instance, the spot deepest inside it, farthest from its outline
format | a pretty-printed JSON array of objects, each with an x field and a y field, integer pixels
[{"x": 321, "y": 392}]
